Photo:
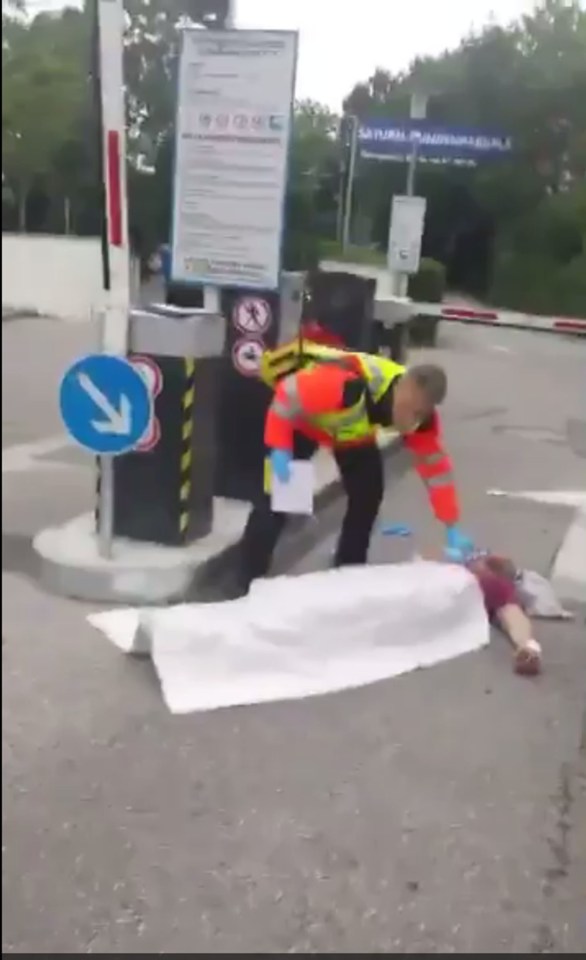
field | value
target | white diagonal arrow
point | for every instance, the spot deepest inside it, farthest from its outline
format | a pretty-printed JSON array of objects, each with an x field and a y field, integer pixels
[{"x": 118, "y": 421}]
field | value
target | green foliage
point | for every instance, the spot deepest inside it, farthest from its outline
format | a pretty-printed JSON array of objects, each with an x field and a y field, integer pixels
[
  {"x": 528, "y": 79},
  {"x": 371, "y": 256},
  {"x": 44, "y": 83},
  {"x": 313, "y": 171},
  {"x": 429, "y": 283},
  {"x": 541, "y": 262}
]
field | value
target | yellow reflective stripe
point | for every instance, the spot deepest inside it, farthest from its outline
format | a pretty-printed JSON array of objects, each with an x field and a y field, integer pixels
[
  {"x": 345, "y": 418},
  {"x": 380, "y": 373},
  {"x": 376, "y": 377},
  {"x": 440, "y": 480},
  {"x": 267, "y": 475}
]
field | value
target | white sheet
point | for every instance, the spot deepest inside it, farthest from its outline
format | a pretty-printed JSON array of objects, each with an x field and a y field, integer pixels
[{"x": 296, "y": 637}]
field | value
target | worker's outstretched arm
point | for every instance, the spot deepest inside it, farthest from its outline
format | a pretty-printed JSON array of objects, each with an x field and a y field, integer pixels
[
  {"x": 303, "y": 394},
  {"x": 435, "y": 469}
]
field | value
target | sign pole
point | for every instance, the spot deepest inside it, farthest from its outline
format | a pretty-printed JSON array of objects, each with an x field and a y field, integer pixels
[
  {"x": 107, "y": 408},
  {"x": 412, "y": 169},
  {"x": 417, "y": 111},
  {"x": 211, "y": 293},
  {"x": 108, "y": 77},
  {"x": 109, "y": 80},
  {"x": 106, "y": 514},
  {"x": 350, "y": 184}
]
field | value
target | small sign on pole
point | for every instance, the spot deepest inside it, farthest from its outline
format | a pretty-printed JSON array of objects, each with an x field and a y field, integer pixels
[
  {"x": 252, "y": 316},
  {"x": 406, "y": 234}
]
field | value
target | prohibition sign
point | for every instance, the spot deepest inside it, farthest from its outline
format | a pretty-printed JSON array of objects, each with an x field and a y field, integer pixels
[
  {"x": 246, "y": 356},
  {"x": 252, "y": 316}
]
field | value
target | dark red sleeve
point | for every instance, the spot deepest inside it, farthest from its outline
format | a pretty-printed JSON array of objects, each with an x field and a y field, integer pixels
[
  {"x": 312, "y": 330},
  {"x": 435, "y": 469}
]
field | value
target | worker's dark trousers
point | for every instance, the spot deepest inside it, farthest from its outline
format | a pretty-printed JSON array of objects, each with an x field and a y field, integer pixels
[{"x": 361, "y": 470}]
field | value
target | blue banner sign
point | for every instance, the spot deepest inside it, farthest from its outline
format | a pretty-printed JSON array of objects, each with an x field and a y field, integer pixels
[{"x": 394, "y": 140}]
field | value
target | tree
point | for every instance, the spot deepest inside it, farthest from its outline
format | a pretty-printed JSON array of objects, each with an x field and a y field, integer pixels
[
  {"x": 528, "y": 80},
  {"x": 44, "y": 81},
  {"x": 313, "y": 183}
]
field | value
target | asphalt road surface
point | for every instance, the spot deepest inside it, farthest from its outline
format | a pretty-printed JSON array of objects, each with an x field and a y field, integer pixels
[{"x": 442, "y": 811}]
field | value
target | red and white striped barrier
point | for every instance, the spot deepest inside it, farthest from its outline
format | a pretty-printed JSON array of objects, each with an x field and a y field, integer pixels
[{"x": 501, "y": 318}]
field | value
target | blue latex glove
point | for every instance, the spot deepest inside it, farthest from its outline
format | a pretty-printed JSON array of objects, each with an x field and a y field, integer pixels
[
  {"x": 281, "y": 464},
  {"x": 459, "y": 546},
  {"x": 395, "y": 530}
]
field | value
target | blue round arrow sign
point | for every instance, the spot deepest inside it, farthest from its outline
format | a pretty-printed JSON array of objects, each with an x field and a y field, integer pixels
[{"x": 105, "y": 404}]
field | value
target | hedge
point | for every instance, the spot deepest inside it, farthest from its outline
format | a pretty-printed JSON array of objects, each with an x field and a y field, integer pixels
[
  {"x": 426, "y": 286},
  {"x": 369, "y": 256},
  {"x": 429, "y": 284}
]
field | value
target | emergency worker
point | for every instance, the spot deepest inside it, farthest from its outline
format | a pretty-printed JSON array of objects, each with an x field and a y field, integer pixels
[{"x": 337, "y": 398}]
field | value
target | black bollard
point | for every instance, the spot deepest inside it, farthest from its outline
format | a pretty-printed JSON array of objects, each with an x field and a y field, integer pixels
[
  {"x": 255, "y": 321},
  {"x": 343, "y": 303},
  {"x": 163, "y": 491}
]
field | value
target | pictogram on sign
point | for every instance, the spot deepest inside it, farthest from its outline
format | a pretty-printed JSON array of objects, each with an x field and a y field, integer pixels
[
  {"x": 246, "y": 356},
  {"x": 252, "y": 315}
]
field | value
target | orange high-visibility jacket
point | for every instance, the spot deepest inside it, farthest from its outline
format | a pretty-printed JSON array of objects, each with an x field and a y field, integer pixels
[{"x": 327, "y": 389}]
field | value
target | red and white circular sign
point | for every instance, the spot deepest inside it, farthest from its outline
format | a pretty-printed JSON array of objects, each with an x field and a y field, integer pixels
[
  {"x": 150, "y": 438},
  {"x": 153, "y": 377},
  {"x": 246, "y": 356},
  {"x": 252, "y": 315},
  {"x": 150, "y": 372}
]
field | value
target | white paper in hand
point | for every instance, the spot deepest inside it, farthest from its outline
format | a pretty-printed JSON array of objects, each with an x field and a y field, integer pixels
[{"x": 295, "y": 496}]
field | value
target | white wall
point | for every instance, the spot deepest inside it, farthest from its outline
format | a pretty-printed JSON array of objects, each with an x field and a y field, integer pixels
[{"x": 54, "y": 276}]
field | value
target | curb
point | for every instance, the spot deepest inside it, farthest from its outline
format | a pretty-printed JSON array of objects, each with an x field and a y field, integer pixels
[{"x": 161, "y": 576}]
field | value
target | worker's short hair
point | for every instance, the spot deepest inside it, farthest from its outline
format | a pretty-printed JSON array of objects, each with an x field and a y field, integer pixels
[{"x": 431, "y": 380}]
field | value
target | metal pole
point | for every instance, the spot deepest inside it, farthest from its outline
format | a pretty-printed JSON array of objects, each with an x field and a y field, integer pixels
[
  {"x": 412, "y": 169},
  {"x": 106, "y": 511},
  {"x": 340, "y": 211},
  {"x": 417, "y": 111},
  {"x": 110, "y": 82},
  {"x": 402, "y": 283},
  {"x": 108, "y": 79},
  {"x": 99, "y": 144},
  {"x": 350, "y": 185}
]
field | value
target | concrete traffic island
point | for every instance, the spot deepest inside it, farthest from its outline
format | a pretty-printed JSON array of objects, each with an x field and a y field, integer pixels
[
  {"x": 145, "y": 573},
  {"x": 148, "y": 573}
]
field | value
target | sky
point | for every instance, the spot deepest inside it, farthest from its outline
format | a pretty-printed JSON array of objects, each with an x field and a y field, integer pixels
[{"x": 337, "y": 48}]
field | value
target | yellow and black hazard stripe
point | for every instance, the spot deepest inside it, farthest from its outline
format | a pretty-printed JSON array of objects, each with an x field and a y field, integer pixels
[{"x": 186, "y": 445}]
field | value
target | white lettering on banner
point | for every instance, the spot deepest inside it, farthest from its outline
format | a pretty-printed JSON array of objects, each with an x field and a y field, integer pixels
[
  {"x": 232, "y": 141},
  {"x": 246, "y": 356},
  {"x": 437, "y": 138},
  {"x": 252, "y": 315}
]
